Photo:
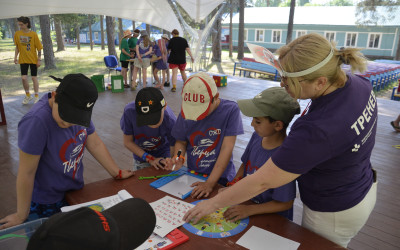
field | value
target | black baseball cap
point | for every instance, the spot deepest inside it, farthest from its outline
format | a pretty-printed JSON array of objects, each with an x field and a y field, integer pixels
[
  {"x": 149, "y": 103},
  {"x": 121, "y": 227},
  {"x": 76, "y": 96}
]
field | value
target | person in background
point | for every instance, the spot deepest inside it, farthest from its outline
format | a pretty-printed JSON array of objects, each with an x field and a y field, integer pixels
[
  {"x": 52, "y": 138},
  {"x": 272, "y": 111},
  {"x": 206, "y": 130},
  {"x": 330, "y": 159},
  {"x": 163, "y": 44},
  {"x": 142, "y": 60},
  {"x": 29, "y": 49},
  {"x": 159, "y": 63},
  {"x": 396, "y": 124},
  {"x": 178, "y": 47},
  {"x": 125, "y": 55}
]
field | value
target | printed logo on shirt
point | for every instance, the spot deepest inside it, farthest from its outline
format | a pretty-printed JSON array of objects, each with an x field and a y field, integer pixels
[
  {"x": 148, "y": 143},
  {"x": 250, "y": 169},
  {"x": 204, "y": 145},
  {"x": 364, "y": 120},
  {"x": 24, "y": 40},
  {"x": 71, "y": 152}
]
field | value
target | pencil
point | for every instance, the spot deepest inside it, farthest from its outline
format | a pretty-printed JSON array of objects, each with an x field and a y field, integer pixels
[{"x": 177, "y": 158}]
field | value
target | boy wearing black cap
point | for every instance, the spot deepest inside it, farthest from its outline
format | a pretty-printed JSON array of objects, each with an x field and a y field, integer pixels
[
  {"x": 147, "y": 123},
  {"x": 124, "y": 226},
  {"x": 272, "y": 111},
  {"x": 52, "y": 137}
]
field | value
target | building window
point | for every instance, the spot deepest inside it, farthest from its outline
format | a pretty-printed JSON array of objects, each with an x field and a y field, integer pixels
[
  {"x": 300, "y": 33},
  {"x": 259, "y": 36},
  {"x": 245, "y": 33},
  {"x": 276, "y": 36},
  {"x": 96, "y": 36},
  {"x": 330, "y": 36},
  {"x": 351, "y": 39},
  {"x": 374, "y": 40}
]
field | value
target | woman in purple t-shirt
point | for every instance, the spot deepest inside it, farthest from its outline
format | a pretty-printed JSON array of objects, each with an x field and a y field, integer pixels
[
  {"x": 142, "y": 60},
  {"x": 329, "y": 147}
]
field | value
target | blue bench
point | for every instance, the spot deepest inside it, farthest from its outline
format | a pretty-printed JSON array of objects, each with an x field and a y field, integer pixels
[{"x": 256, "y": 68}]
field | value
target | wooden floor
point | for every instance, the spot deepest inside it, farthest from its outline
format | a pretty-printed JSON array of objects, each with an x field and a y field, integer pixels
[{"x": 382, "y": 230}]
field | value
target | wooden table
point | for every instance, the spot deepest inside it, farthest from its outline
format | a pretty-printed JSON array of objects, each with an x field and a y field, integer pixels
[{"x": 142, "y": 189}]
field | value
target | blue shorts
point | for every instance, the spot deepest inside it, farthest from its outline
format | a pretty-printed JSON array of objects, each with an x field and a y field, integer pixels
[{"x": 47, "y": 210}]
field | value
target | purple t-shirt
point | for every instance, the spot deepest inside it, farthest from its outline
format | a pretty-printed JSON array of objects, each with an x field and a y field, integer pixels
[
  {"x": 155, "y": 141},
  {"x": 142, "y": 48},
  {"x": 160, "y": 64},
  {"x": 331, "y": 147},
  {"x": 204, "y": 138},
  {"x": 61, "y": 151},
  {"x": 253, "y": 158}
]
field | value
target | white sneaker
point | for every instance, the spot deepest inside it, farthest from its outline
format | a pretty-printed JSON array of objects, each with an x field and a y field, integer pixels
[
  {"x": 36, "y": 99},
  {"x": 27, "y": 99}
]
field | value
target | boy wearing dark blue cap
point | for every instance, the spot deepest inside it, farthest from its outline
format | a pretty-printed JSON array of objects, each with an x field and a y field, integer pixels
[{"x": 52, "y": 137}]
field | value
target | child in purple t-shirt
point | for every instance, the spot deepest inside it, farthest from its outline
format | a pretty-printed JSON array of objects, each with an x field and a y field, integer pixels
[
  {"x": 272, "y": 110},
  {"x": 206, "y": 129},
  {"x": 160, "y": 64},
  {"x": 147, "y": 123},
  {"x": 52, "y": 138}
]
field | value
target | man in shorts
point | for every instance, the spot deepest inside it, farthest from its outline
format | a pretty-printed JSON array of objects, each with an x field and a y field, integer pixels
[
  {"x": 26, "y": 44},
  {"x": 177, "y": 57}
]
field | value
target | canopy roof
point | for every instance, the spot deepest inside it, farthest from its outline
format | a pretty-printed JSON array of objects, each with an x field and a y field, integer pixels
[{"x": 153, "y": 12}]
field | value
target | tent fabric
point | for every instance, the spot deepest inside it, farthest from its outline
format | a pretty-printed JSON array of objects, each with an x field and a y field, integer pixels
[
  {"x": 153, "y": 12},
  {"x": 199, "y": 9}
]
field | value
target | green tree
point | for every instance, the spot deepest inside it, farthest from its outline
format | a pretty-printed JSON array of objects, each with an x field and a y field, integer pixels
[
  {"x": 367, "y": 14},
  {"x": 340, "y": 3}
]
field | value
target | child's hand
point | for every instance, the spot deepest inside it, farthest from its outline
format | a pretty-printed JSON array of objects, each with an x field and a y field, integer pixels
[
  {"x": 158, "y": 163},
  {"x": 202, "y": 189},
  {"x": 171, "y": 162},
  {"x": 238, "y": 212}
]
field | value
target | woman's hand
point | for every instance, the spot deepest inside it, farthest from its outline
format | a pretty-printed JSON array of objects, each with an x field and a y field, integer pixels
[{"x": 199, "y": 211}]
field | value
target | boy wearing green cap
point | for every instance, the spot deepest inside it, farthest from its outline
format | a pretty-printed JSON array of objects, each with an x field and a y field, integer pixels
[{"x": 272, "y": 111}]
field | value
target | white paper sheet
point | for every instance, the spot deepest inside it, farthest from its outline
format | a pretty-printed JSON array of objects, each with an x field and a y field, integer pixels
[
  {"x": 259, "y": 239},
  {"x": 179, "y": 186},
  {"x": 117, "y": 84},
  {"x": 103, "y": 203},
  {"x": 169, "y": 214}
]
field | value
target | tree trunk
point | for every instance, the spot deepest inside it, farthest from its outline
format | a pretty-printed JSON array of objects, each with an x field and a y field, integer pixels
[
  {"x": 121, "y": 30},
  {"x": 33, "y": 27},
  {"x": 59, "y": 36},
  {"x": 241, "y": 31},
  {"x": 48, "y": 52},
  {"x": 230, "y": 30},
  {"x": 110, "y": 36},
  {"x": 16, "y": 27},
  {"x": 148, "y": 29},
  {"x": 102, "y": 32},
  {"x": 11, "y": 27},
  {"x": 78, "y": 38},
  {"x": 216, "y": 38},
  {"x": 133, "y": 25},
  {"x": 90, "y": 31},
  {"x": 397, "y": 58},
  {"x": 290, "y": 24}
]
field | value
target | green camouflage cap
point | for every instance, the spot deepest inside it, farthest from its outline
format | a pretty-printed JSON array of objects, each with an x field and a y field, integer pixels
[{"x": 274, "y": 102}]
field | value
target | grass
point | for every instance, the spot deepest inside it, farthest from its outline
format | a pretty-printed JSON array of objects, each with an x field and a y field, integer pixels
[{"x": 73, "y": 60}]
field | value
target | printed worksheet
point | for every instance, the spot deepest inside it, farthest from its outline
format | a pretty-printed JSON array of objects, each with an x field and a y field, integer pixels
[
  {"x": 169, "y": 213},
  {"x": 101, "y": 204}
]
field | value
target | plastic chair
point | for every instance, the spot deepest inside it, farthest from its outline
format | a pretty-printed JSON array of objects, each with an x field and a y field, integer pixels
[{"x": 111, "y": 64}]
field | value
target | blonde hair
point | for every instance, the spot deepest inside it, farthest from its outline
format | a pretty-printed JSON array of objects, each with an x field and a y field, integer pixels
[
  {"x": 311, "y": 49},
  {"x": 146, "y": 41}
]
